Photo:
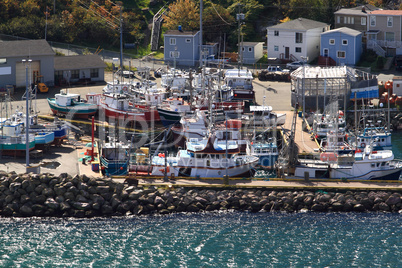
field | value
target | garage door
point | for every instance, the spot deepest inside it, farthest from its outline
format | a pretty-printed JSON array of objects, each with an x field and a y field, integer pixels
[{"x": 20, "y": 73}]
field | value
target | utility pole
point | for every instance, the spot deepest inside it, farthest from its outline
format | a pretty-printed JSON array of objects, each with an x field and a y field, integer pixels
[
  {"x": 121, "y": 41},
  {"x": 239, "y": 18},
  {"x": 201, "y": 7}
]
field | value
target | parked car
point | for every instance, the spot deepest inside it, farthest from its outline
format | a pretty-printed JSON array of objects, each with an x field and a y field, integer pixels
[
  {"x": 277, "y": 69},
  {"x": 126, "y": 74},
  {"x": 398, "y": 62},
  {"x": 296, "y": 64}
]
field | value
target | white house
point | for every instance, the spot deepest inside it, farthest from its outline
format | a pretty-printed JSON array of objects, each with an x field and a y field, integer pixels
[
  {"x": 295, "y": 39},
  {"x": 251, "y": 52}
]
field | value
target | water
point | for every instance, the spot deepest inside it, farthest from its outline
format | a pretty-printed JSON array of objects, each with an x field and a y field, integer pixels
[{"x": 230, "y": 239}]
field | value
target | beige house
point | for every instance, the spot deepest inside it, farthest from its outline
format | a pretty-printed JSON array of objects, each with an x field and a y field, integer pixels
[
  {"x": 384, "y": 32},
  {"x": 355, "y": 18}
]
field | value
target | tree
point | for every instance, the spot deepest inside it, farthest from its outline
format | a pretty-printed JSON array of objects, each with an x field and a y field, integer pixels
[
  {"x": 184, "y": 13},
  {"x": 215, "y": 21}
]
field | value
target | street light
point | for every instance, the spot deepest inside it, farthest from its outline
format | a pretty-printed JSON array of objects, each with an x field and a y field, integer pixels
[{"x": 27, "y": 64}]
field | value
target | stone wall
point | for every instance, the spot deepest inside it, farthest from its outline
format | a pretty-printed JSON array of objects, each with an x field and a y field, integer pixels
[{"x": 80, "y": 196}]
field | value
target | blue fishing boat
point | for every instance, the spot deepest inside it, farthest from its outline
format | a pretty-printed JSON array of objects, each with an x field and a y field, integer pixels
[
  {"x": 266, "y": 151},
  {"x": 114, "y": 158}
]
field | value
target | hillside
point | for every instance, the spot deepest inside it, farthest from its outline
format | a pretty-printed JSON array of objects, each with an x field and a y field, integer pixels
[{"x": 97, "y": 22}]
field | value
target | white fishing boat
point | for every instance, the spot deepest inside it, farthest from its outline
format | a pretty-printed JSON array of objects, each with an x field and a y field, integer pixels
[
  {"x": 206, "y": 158},
  {"x": 366, "y": 164}
]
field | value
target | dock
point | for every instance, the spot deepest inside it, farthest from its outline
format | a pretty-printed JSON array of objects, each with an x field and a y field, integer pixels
[{"x": 304, "y": 140}]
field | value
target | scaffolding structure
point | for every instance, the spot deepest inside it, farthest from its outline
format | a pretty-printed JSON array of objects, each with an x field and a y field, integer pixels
[{"x": 314, "y": 87}]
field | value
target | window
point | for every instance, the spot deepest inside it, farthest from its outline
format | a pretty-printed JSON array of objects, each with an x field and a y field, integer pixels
[
  {"x": 341, "y": 54},
  {"x": 352, "y": 20},
  {"x": 94, "y": 73},
  {"x": 172, "y": 41},
  {"x": 250, "y": 49},
  {"x": 389, "y": 21},
  {"x": 276, "y": 33},
  {"x": 390, "y": 36},
  {"x": 372, "y": 20},
  {"x": 338, "y": 19},
  {"x": 344, "y": 42},
  {"x": 276, "y": 48},
  {"x": 332, "y": 41},
  {"x": 363, "y": 21},
  {"x": 345, "y": 20},
  {"x": 348, "y": 20},
  {"x": 174, "y": 54},
  {"x": 188, "y": 40},
  {"x": 3, "y": 60},
  {"x": 298, "y": 49},
  {"x": 242, "y": 49},
  {"x": 75, "y": 74},
  {"x": 299, "y": 38}
]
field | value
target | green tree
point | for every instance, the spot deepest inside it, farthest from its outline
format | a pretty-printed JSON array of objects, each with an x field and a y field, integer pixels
[
  {"x": 184, "y": 13},
  {"x": 216, "y": 20}
]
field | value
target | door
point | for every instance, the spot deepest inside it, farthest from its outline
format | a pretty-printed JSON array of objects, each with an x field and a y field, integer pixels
[
  {"x": 326, "y": 52},
  {"x": 286, "y": 52},
  {"x": 20, "y": 73}
]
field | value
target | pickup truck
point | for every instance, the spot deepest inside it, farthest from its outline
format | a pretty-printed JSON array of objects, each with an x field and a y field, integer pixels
[{"x": 398, "y": 62}]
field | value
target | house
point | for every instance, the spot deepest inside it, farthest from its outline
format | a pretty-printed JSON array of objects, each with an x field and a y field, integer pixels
[
  {"x": 38, "y": 59},
  {"x": 344, "y": 45},
  {"x": 295, "y": 40},
  {"x": 85, "y": 68},
  {"x": 354, "y": 18},
  {"x": 182, "y": 47},
  {"x": 251, "y": 52},
  {"x": 384, "y": 32}
]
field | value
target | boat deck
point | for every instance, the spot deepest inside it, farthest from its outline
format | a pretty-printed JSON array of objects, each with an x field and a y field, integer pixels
[{"x": 303, "y": 139}]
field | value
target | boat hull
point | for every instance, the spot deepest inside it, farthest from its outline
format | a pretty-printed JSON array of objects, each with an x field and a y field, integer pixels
[{"x": 82, "y": 110}]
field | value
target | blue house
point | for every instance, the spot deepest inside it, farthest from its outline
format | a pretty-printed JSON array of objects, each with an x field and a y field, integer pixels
[
  {"x": 182, "y": 47},
  {"x": 343, "y": 45}
]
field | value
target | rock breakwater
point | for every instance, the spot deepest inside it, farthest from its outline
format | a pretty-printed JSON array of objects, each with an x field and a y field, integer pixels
[{"x": 81, "y": 196}]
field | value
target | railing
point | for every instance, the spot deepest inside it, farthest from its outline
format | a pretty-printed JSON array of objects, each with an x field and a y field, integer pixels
[
  {"x": 375, "y": 45},
  {"x": 156, "y": 26}
]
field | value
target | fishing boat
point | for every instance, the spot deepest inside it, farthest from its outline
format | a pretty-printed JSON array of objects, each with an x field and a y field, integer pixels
[
  {"x": 172, "y": 109},
  {"x": 71, "y": 105},
  {"x": 115, "y": 105},
  {"x": 114, "y": 157},
  {"x": 265, "y": 147},
  {"x": 206, "y": 158},
  {"x": 241, "y": 84},
  {"x": 13, "y": 141},
  {"x": 366, "y": 164},
  {"x": 380, "y": 137},
  {"x": 263, "y": 116}
]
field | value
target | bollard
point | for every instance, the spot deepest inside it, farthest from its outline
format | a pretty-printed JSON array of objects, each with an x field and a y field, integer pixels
[
  {"x": 306, "y": 176},
  {"x": 226, "y": 180}
]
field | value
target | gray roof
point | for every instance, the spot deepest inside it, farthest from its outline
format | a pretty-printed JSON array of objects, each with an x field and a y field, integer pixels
[
  {"x": 344, "y": 30},
  {"x": 177, "y": 32},
  {"x": 25, "y": 48},
  {"x": 360, "y": 10},
  {"x": 299, "y": 24},
  {"x": 78, "y": 62},
  {"x": 251, "y": 44}
]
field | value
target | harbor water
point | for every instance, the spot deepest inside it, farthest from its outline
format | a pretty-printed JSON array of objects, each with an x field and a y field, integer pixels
[
  {"x": 228, "y": 239},
  {"x": 220, "y": 239}
]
